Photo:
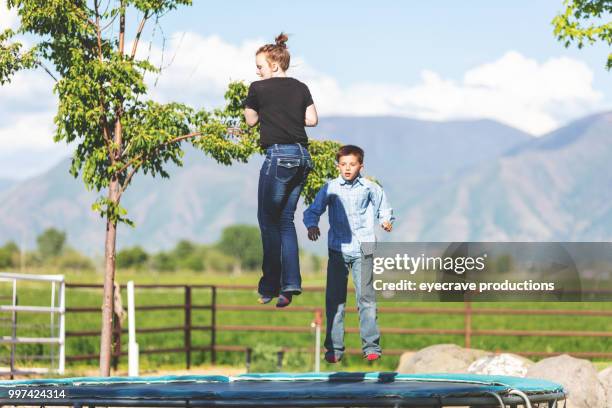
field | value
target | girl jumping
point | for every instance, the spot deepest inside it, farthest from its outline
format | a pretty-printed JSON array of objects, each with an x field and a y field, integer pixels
[{"x": 282, "y": 106}]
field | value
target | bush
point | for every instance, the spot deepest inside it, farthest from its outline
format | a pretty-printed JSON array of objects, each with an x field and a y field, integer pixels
[
  {"x": 72, "y": 259},
  {"x": 134, "y": 257},
  {"x": 296, "y": 361},
  {"x": 217, "y": 261},
  {"x": 162, "y": 262},
  {"x": 184, "y": 249},
  {"x": 9, "y": 255},
  {"x": 193, "y": 262},
  {"x": 187, "y": 256},
  {"x": 51, "y": 243},
  {"x": 244, "y": 243},
  {"x": 264, "y": 358}
]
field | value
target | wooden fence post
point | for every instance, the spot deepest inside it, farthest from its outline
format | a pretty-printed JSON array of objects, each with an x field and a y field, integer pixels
[
  {"x": 468, "y": 324},
  {"x": 116, "y": 352},
  {"x": 213, "y": 326},
  {"x": 188, "y": 326}
]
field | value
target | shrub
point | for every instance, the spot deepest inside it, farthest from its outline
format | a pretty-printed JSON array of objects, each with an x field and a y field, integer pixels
[
  {"x": 72, "y": 259},
  {"x": 134, "y": 257},
  {"x": 51, "y": 243},
  {"x": 162, "y": 262},
  {"x": 244, "y": 243}
]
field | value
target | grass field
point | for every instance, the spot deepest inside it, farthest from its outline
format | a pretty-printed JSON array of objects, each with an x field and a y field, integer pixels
[{"x": 265, "y": 342}]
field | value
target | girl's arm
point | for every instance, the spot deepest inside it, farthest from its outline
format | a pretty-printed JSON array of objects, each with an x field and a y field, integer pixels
[
  {"x": 311, "y": 118},
  {"x": 251, "y": 116}
]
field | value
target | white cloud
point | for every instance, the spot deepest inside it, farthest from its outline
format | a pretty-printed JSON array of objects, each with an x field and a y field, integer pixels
[
  {"x": 28, "y": 91},
  {"x": 197, "y": 69},
  {"x": 27, "y": 107},
  {"x": 30, "y": 130},
  {"x": 8, "y": 18},
  {"x": 533, "y": 96}
]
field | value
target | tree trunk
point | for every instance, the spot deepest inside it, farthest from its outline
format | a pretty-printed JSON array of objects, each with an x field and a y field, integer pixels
[
  {"x": 114, "y": 196},
  {"x": 109, "y": 282}
]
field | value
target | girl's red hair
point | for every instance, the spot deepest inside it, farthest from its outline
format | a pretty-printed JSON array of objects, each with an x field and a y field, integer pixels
[{"x": 277, "y": 52}]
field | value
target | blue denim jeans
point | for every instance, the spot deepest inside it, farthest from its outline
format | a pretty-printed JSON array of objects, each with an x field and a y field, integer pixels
[
  {"x": 281, "y": 180},
  {"x": 335, "y": 302}
]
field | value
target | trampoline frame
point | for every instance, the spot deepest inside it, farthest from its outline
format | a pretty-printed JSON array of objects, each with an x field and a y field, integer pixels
[{"x": 473, "y": 393}]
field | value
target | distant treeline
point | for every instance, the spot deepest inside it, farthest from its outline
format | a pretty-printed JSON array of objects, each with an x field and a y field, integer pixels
[{"x": 238, "y": 249}]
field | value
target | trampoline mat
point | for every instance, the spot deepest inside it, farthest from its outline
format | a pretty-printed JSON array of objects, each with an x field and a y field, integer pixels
[{"x": 333, "y": 389}]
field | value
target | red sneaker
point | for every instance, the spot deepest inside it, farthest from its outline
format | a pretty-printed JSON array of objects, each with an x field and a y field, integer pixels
[
  {"x": 283, "y": 300},
  {"x": 331, "y": 358},
  {"x": 372, "y": 356}
]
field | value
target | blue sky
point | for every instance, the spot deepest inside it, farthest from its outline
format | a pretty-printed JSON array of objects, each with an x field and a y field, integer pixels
[
  {"x": 439, "y": 60},
  {"x": 363, "y": 40}
]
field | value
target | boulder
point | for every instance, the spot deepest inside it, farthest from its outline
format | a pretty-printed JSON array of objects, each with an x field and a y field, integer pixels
[
  {"x": 578, "y": 377},
  {"x": 441, "y": 358},
  {"x": 605, "y": 377},
  {"x": 501, "y": 364}
]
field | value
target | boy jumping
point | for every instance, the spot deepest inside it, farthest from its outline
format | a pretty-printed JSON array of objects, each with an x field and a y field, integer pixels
[{"x": 354, "y": 202}]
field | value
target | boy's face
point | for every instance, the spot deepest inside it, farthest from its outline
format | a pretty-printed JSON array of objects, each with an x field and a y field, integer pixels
[
  {"x": 349, "y": 167},
  {"x": 265, "y": 70}
]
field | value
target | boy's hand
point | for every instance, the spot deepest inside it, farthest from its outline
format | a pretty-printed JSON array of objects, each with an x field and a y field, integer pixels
[
  {"x": 313, "y": 233},
  {"x": 387, "y": 226}
]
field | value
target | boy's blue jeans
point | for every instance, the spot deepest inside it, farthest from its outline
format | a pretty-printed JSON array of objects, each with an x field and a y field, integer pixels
[
  {"x": 281, "y": 180},
  {"x": 335, "y": 302}
]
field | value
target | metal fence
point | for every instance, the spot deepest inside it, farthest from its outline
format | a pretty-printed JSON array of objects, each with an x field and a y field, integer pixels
[
  {"x": 214, "y": 307},
  {"x": 55, "y": 336}
]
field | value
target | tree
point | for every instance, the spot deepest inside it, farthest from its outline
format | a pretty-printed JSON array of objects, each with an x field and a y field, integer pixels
[
  {"x": 103, "y": 107},
  {"x": 134, "y": 257},
  {"x": 163, "y": 262},
  {"x": 187, "y": 256},
  {"x": 184, "y": 249},
  {"x": 244, "y": 243},
  {"x": 584, "y": 21},
  {"x": 8, "y": 255},
  {"x": 51, "y": 243}
]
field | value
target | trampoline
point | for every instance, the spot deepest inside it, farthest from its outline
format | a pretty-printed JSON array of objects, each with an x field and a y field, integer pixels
[{"x": 286, "y": 390}]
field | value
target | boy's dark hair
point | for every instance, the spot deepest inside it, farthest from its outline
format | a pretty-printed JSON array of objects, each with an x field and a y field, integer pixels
[{"x": 348, "y": 150}]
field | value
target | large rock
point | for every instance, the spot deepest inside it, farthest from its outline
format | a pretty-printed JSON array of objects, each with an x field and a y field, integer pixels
[
  {"x": 578, "y": 377},
  {"x": 605, "y": 377},
  {"x": 501, "y": 364},
  {"x": 441, "y": 358}
]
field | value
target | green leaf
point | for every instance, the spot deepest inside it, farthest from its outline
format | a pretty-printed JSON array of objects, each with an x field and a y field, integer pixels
[{"x": 585, "y": 22}]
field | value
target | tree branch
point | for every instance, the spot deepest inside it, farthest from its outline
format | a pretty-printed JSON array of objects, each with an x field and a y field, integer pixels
[
  {"x": 107, "y": 6},
  {"x": 110, "y": 23},
  {"x": 48, "y": 71},
  {"x": 127, "y": 180},
  {"x": 85, "y": 17},
  {"x": 118, "y": 135},
  {"x": 106, "y": 132},
  {"x": 156, "y": 149},
  {"x": 104, "y": 123},
  {"x": 98, "y": 32},
  {"x": 138, "y": 34},
  {"x": 121, "y": 28}
]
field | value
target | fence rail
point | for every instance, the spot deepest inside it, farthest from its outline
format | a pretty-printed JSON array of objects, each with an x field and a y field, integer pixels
[{"x": 467, "y": 311}]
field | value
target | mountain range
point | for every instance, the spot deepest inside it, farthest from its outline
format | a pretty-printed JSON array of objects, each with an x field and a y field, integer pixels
[{"x": 447, "y": 181}]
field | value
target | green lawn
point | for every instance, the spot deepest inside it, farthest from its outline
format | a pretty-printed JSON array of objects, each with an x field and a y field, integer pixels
[{"x": 35, "y": 294}]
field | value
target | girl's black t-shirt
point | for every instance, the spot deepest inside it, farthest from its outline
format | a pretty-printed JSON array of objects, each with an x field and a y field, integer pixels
[{"x": 281, "y": 103}]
